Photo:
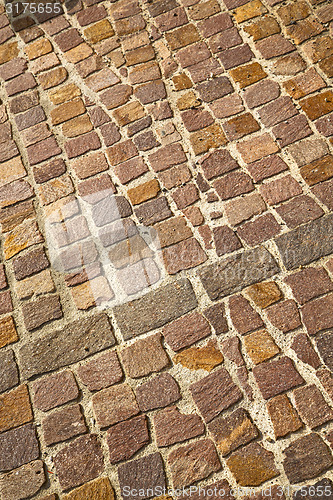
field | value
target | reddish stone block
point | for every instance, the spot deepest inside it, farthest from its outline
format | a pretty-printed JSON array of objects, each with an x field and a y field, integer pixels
[
  {"x": 79, "y": 462},
  {"x": 195, "y": 119},
  {"x": 116, "y": 96},
  {"x": 312, "y": 407},
  {"x": 185, "y": 196},
  {"x": 324, "y": 125},
  {"x": 193, "y": 54},
  {"x": 280, "y": 190},
  {"x": 274, "y": 46},
  {"x": 3, "y": 279},
  {"x": 309, "y": 283},
  {"x": 235, "y": 56},
  {"x": 43, "y": 150},
  {"x": 215, "y": 393},
  {"x": 324, "y": 191},
  {"x": 257, "y": 148},
  {"x": 183, "y": 255},
  {"x": 201, "y": 453},
  {"x": 21, "y": 83},
  {"x": 91, "y": 15},
  {"x": 68, "y": 39},
  {"x": 54, "y": 390},
  {"x": 318, "y": 314},
  {"x": 158, "y": 392},
  {"x": 218, "y": 163},
  {"x": 277, "y": 111},
  {"x": 215, "y": 24},
  {"x": 150, "y": 92},
  {"x": 244, "y": 318},
  {"x": 263, "y": 228},
  {"x": 284, "y": 315},
  {"x": 238, "y": 127},
  {"x": 166, "y": 157},
  {"x": 6, "y": 304},
  {"x": 292, "y": 130},
  {"x": 13, "y": 68},
  {"x": 225, "y": 40},
  {"x": 18, "y": 446},
  {"x": 63, "y": 424},
  {"x": 299, "y": 211},
  {"x": 101, "y": 371},
  {"x": 172, "y": 427},
  {"x": 275, "y": 377},
  {"x": 216, "y": 317},
  {"x": 227, "y": 106},
  {"x": 172, "y": 19},
  {"x": 195, "y": 327},
  {"x": 261, "y": 93},
  {"x": 225, "y": 240},
  {"x": 233, "y": 184},
  {"x": 121, "y": 152},
  {"x": 83, "y": 144},
  {"x": 304, "y": 350},
  {"x": 126, "y": 438},
  {"x": 142, "y": 474}
]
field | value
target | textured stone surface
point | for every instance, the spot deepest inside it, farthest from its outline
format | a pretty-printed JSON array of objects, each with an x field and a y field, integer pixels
[
  {"x": 23, "y": 482},
  {"x": 186, "y": 331},
  {"x": 54, "y": 390},
  {"x": 142, "y": 474},
  {"x": 306, "y": 458},
  {"x": 155, "y": 309},
  {"x": 114, "y": 404},
  {"x": 260, "y": 346},
  {"x": 99, "y": 489},
  {"x": 283, "y": 416},
  {"x": 59, "y": 348},
  {"x": 306, "y": 243},
  {"x": 252, "y": 465},
  {"x": 63, "y": 424},
  {"x": 275, "y": 377},
  {"x": 126, "y": 438},
  {"x": 9, "y": 376},
  {"x": 15, "y": 408},
  {"x": 200, "y": 358},
  {"x": 158, "y": 392},
  {"x": 17, "y": 447},
  {"x": 215, "y": 393},
  {"x": 235, "y": 273},
  {"x": 193, "y": 462},
  {"x": 144, "y": 357},
  {"x": 172, "y": 427},
  {"x": 229, "y": 433},
  {"x": 79, "y": 462},
  {"x": 101, "y": 371}
]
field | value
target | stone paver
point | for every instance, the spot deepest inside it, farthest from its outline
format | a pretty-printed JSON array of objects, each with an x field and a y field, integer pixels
[{"x": 166, "y": 255}]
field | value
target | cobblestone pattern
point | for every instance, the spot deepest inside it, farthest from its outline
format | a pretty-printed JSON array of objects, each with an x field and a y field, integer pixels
[{"x": 212, "y": 123}]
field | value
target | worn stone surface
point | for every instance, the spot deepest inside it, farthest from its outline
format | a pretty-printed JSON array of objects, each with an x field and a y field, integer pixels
[
  {"x": 59, "y": 348},
  {"x": 229, "y": 433},
  {"x": 200, "y": 358},
  {"x": 235, "y": 273},
  {"x": 79, "y": 462},
  {"x": 18, "y": 446},
  {"x": 311, "y": 406},
  {"x": 157, "y": 308},
  {"x": 9, "y": 376},
  {"x": 54, "y": 390},
  {"x": 141, "y": 474},
  {"x": 126, "y": 438},
  {"x": 63, "y": 424},
  {"x": 23, "y": 482},
  {"x": 214, "y": 393},
  {"x": 144, "y": 357},
  {"x": 100, "y": 489},
  {"x": 283, "y": 416},
  {"x": 252, "y": 465},
  {"x": 185, "y": 146},
  {"x": 275, "y": 377},
  {"x": 306, "y": 243},
  {"x": 306, "y": 458},
  {"x": 158, "y": 392},
  {"x": 193, "y": 462},
  {"x": 114, "y": 404},
  {"x": 172, "y": 427}
]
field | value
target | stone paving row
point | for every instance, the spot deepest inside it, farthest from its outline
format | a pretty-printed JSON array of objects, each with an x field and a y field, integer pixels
[{"x": 207, "y": 128}]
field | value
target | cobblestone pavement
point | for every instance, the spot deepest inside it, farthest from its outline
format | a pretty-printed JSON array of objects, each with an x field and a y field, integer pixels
[{"x": 166, "y": 304}]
